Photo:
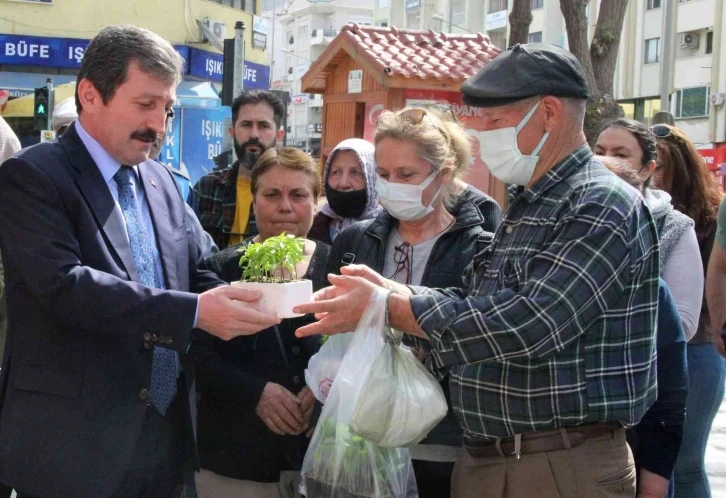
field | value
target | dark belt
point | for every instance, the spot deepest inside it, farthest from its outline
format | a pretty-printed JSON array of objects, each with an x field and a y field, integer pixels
[{"x": 540, "y": 442}]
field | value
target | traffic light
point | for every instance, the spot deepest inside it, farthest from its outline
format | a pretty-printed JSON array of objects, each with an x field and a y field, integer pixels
[{"x": 40, "y": 111}]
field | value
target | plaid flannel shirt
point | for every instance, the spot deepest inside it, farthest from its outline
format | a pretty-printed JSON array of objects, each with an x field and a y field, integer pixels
[
  {"x": 214, "y": 200},
  {"x": 557, "y": 327}
]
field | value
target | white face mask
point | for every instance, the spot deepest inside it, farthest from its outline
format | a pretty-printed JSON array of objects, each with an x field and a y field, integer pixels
[
  {"x": 403, "y": 201},
  {"x": 499, "y": 151}
]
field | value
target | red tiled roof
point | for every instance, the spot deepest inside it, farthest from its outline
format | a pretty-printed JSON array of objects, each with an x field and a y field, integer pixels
[{"x": 421, "y": 54}]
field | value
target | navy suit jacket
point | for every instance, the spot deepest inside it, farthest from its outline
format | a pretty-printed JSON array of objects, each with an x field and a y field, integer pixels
[{"x": 76, "y": 360}]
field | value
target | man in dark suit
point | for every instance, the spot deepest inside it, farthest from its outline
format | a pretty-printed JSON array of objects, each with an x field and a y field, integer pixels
[{"x": 102, "y": 278}]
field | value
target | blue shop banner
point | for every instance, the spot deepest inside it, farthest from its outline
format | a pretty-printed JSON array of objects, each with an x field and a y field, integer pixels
[
  {"x": 42, "y": 51},
  {"x": 68, "y": 53},
  {"x": 210, "y": 66},
  {"x": 170, "y": 155},
  {"x": 202, "y": 138}
]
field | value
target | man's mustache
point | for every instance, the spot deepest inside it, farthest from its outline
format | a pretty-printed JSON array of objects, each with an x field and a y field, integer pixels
[{"x": 147, "y": 135}]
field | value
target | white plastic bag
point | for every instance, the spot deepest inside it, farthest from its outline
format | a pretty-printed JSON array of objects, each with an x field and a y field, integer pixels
[
  {"x": 400, "y": 401},
  {"x": 338, "y": 463},
  {"x": 323, "y": 366}
]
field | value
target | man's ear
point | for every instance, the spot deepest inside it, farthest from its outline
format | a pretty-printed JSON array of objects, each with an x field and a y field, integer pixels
[
  {"x": 553, "y": 110},
  {"x": 89, "y": 97},
  {"x": 280, "y": 134}
]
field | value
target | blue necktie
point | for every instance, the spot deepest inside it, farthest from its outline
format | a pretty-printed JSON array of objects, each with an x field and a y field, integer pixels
[{"x": 164, "y": 365}]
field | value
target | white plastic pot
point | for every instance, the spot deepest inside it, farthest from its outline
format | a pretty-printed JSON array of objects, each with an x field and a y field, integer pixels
[{"x": 280, "y": 299}]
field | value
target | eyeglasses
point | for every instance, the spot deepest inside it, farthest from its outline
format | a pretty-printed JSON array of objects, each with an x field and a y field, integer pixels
[
  {"x": 661, "y": 131},
  {"x": 402, "y": 256}
]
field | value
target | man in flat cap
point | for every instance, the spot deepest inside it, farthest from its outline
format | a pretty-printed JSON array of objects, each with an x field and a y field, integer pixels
[{"x": 551, "y": 346}]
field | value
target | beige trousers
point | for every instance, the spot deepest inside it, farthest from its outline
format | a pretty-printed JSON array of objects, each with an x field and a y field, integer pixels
[
  {"x": 601, "y": 467},
  {"x": 211, "y": 485}
]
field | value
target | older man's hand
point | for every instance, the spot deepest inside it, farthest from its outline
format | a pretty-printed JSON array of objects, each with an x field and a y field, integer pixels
[{"x": 339, "y": 307}]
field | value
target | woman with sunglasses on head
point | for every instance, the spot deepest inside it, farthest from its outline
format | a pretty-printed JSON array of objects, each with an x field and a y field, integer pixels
[
  {"x": 628, "y": 149},
  {"x": 694, "y": 191},
  {"x": 426, "y": 235},
  {"x": 349, "y": 180}
]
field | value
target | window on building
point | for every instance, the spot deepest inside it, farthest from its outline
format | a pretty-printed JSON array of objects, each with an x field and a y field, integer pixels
[
  {"x": 302, "y": 32},
  {"x": 498, "y": 38},
  {"x": 652, "y": 50},
  {"x": 246, "y": 5},
  {"x": 497, "y": 5},
  {"x": 537, "y": 4},
  {"x": 413, "y": 20},
  {"x": 709, "y": 42},
  {"x": 383, "y": 23},
  {"x": 457, "y": 12},
  {"x": 382, "y": 4},
  {"x": 653, "y": 4},
  {"x": 535, "y": 37},
  {"x": 692, "y": 102}
]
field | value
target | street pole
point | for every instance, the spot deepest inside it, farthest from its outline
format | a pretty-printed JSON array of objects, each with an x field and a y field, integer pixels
[
  {"x": 272, "y": 45},
  {"x": 668, "y": 53},
  {"x": 239, "y": 66},
  {"x": 51, "y": 100},
  {"x": 239, "y": 57}
]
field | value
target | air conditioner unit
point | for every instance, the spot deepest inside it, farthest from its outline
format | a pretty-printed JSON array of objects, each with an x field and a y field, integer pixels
[
  {"x": 217, "y": 27},
  {"x": 718, "y": 99},
  {"x": 689, "y": 40}
]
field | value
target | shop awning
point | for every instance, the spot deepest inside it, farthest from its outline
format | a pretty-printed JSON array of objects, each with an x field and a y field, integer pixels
[
  {"x": 23, "y": 106},
  {"x": 24, "y": 83},
  {"x": 197, "y": 94}
]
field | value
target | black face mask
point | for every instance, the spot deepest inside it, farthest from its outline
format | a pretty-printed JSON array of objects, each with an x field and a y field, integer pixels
[{"x": 347, "y": 204}]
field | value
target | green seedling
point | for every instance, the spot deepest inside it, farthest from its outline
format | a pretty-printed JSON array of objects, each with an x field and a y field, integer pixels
[{"x": 262, "y": 261}]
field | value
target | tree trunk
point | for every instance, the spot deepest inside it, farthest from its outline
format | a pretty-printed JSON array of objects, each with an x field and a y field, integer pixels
[
  {"x": 597, "y": 61},
  {"x": 605, "y": 43},
  {"x": 576, "y": 25},
  {"x": 519, "y": 21}
]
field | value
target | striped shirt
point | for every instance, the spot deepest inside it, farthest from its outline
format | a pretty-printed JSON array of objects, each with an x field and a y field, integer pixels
[{"x": 557, "y": 326}]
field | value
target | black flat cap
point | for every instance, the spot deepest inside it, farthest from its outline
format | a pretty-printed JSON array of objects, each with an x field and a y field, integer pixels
[{"x": 524, "y": 71}]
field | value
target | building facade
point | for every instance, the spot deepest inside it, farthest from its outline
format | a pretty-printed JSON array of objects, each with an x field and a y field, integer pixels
[
  {"x": 306, "y": 28},
  {"x": 696, "y": 73}
]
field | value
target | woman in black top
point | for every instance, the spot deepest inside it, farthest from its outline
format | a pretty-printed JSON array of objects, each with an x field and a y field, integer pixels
[{"x": 254, "y": 408}]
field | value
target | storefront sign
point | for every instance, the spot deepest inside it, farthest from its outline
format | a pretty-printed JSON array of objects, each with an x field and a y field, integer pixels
[
  {"x": 496, "y": 20},
  {"x": 259, "y": 24},
  {"x": 355, "y": 81},
  {"x": 300, "y": 99},
  {"x": 259, "y": 40},
  {"x": 42, "y": 51},
  {"x": 412, "y": 4},
  {"x": 68, "y": 53},
  {"x": 208, "y": 65},
  {"x": 202, "y": 137}
]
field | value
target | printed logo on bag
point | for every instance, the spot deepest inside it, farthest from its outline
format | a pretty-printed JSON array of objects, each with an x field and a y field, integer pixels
[{"x": 325, "y": 386}]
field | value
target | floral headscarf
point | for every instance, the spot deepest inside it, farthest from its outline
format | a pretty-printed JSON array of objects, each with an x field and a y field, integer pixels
[{"x": 365, "y": 152}]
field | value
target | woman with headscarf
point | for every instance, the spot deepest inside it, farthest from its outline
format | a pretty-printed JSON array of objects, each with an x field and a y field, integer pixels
[{"x": 350, "y": 189}]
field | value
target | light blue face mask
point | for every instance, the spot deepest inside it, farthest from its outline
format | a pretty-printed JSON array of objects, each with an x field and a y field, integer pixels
[
  {"x": 500, "y": 153},
  {"x": 403, "y": 201}
]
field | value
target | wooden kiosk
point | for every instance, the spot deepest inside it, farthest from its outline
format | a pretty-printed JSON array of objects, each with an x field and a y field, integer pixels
[{"x": 367, "y": 69}]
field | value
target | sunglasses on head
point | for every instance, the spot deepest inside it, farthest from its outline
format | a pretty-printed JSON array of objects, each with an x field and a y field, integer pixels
[
  {"x": 415, "y": 117},
  {"x": 661, "y": 131}
]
